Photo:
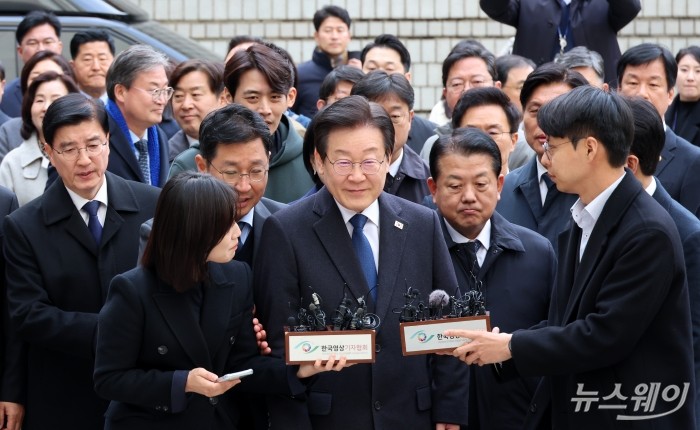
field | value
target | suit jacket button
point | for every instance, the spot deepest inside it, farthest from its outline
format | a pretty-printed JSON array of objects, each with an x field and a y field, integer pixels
[
  {"x": 162, "y": 350},
  {"x": 533, "y": 408},
  {"x": 165, "y": 409},
  {"x": 232, "y": 340},
  {"x": 213, "y": 401},
  {"x": 377, "y": 405},
  {"x": 377, "y": 347}
]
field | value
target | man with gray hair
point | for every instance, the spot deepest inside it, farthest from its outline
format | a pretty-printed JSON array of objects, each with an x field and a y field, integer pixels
[
  {"x": 138, "y": 91},
  {"x": 586, "y": 62}
]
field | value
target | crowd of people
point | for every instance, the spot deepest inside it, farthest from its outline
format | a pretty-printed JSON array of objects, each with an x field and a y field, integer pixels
[{"x": 163, "y": 221}]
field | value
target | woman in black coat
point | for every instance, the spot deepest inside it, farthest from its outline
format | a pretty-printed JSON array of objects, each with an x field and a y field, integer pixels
[
  {"x": 172, "y": 326},
  {"x": 683, "y": 116}
]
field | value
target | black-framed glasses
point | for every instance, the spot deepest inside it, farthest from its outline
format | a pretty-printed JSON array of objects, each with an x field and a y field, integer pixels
[
  {"x": 256, "y": 174},
  {"x": 548, "y": 147},
  {"x": 72, "y": 154},
  {"x": 369, "y": 166},
  {"x": 157, "y": 93}
]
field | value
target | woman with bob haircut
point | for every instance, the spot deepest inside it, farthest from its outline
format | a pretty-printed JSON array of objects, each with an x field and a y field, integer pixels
[{"x": 173, "y": 325}]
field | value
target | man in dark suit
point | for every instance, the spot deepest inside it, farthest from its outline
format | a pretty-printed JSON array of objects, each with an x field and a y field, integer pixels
[
  {"x": 386, "y": 52},
  {"x": 465, "y": 185},
  {"x": 38, "y": 31},
  {"x": 408, "y": 172},
  {"x": 62, "y": 251},
  {"x": 649, "y": 71},
  {"x": 529, "y": 197},
  {"x": 546, "y": 27},
  {"x": 11, "y": 409},
  {"x": 235, "y": 147},
  {"x": 644, "y": 156},
  {"x": 619, "y": 328},
  {"x": 138, "y": 91},
  {"x": 308, "y": 248}
]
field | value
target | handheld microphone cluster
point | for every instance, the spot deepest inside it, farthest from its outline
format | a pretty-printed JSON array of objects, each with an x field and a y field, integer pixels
[
  {"x": 309, "y": 319},
  {"x": 469, "y": 304},
  {"x": 347, "y": 316}
]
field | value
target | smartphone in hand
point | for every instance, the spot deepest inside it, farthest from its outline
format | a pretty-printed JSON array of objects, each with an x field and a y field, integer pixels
[{"x": 235, "y": 375}]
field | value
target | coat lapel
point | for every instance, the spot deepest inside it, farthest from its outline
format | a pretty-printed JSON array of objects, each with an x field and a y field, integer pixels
[
  {"x": 121, "y": 147},
  {"x": 392, "y": 240},
  {"x": 334, "y": 237},
  {"x": 216, "y": 308},
  {"x": 260, "y": 214},
  {"x": 57, "y": 206},
  {"x": 530, "y": 187},
  {"x": 613, "y": 211},
  {"x": 177, "y": 313},
  {"x": 668, "y": 152}
]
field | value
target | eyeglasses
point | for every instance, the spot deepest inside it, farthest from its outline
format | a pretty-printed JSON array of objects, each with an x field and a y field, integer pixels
[
  {"x": 549, "y": 147},
  {"x": 157, "y": 93},
  {"x": 33, "y": 43},
  {"x": 72, "y": 154},
  {"x": 256, "y": 174},
  {"x": 457, "y": 86},
  {"x": 368, "y": 167}
]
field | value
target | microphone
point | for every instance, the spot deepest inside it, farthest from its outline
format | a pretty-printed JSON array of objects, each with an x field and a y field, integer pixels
[{"x": 436, "y": 301}]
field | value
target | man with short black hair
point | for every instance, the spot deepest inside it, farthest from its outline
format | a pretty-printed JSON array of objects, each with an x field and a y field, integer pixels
[
  {"x": 38, "y": 31},
  {"x": 387, "y": 53},
  {"x": 62, "y": 251},
  {"x": 649, "y": 71},
  {"x": 619, "y": 322},
  {"x": 92, "y": 51},
  {"x": 488, "y": 254},
  {"x": 407, "y": 173},
  {"x": 644, "y": 157},
  {"x": 332, "y": 36},
  {"x": 308, "y": 248}
]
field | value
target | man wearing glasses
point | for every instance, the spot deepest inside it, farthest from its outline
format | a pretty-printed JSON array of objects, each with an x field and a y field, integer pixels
[
  {"x": 353, "y": 240},
  {"x": 408, "y": 172},
  {"x": 138, "y": 91},
  {"x": 38, "y": 31},
  {"x": 62, "y": 251}
]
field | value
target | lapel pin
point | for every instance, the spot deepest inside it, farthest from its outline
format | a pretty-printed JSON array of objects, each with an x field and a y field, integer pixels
[{"x": 398, "y": 225}]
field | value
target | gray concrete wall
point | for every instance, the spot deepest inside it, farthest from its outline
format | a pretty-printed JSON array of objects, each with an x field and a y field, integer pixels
[{"x": 429, "y": 28}]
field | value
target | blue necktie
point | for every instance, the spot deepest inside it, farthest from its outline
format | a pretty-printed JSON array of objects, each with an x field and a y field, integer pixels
[
  {"x": 142, "y": 146},
  {"x": 364, "y": 253},
  {"x": 93, "y": 222}
]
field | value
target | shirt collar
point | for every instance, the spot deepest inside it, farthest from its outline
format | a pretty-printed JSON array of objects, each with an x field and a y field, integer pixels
[
  {"x": 135, "y": 138},
  {"x": 101, "y": 195},
  {"x": 651, "y": 189},
  {"x": 594, "y": 208},
  {"x": 371, "y": 212},
  {"x": 248, "y": 218},
  {"x": 190, "y": 140},
  {"x": 394, "y": 167},
  {"x": 541, "y": 170},
  {"x": 484, "y": 235}
]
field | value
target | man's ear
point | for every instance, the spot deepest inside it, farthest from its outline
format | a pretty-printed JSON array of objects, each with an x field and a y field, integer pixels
[
  {"x": 201, "y": 163},
  {"x": 291, "y": 97},
  {"x": 632, "y": 163},
  {"x": 320, "y": 104}
]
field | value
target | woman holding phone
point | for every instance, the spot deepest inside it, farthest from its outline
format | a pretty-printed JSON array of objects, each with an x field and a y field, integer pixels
[{"x": 172, "y": 326}]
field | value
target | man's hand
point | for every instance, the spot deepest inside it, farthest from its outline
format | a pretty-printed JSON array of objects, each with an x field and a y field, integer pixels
[
  {"x": 261, "y": 337},
  {"x": 445, "y": 426},
  {"x": 483, "y": 348},
  {"x": 307, "y": 370},
  {"x": 11, "y": 415}
]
